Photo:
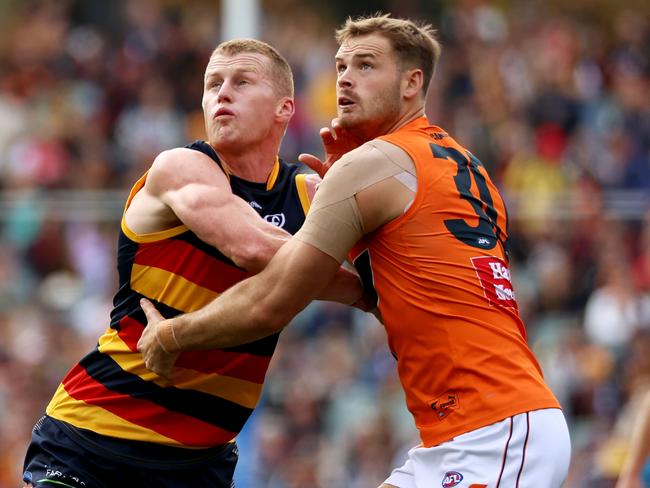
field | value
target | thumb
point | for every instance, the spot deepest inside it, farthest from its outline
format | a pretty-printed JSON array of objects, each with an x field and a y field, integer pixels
[
  {"x": 312, "y": 161},
  {"x": 150, "y": 311}
]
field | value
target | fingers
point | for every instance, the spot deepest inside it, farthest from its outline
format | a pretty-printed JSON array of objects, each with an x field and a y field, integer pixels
[
  {"x": 336, "y": 126},
  {"x": 327, "y": 135},
  {"x": 312, "y": 161},
  {"x": 150, "y": 311}
]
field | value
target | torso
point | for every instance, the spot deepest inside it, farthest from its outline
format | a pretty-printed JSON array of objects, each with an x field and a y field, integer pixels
[
  {"x": 110, "y": 392},
  {"x": 441, "y": 275}
]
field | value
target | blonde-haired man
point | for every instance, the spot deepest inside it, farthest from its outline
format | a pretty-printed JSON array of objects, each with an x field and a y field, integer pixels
[
  {"x": 201, "y": 219},
  {"x": 427, "y": 231}
]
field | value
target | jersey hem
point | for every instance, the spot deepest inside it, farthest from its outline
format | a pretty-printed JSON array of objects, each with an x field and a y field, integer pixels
[{"x": 432, "y": 436}]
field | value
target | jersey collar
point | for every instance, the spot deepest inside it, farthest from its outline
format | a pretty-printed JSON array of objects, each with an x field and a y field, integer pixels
[{"x": 270, "y": 181}]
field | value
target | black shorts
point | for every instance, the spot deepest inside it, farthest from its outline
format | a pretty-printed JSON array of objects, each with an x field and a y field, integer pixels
[{"x": 63, "y": 456}]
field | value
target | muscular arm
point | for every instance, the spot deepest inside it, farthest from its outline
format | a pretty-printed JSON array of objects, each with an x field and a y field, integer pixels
[
  {"x": 265, "y": 303},
  {"x": 186, "y": 187}
]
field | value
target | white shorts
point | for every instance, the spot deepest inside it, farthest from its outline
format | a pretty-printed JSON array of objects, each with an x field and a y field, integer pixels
[{"x": 529, "y": 450}]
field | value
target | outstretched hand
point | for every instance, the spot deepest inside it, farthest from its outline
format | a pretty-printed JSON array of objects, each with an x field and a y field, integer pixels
[
  {"x": 336, "y": 141},
  {"x": 155, "y": 357}
]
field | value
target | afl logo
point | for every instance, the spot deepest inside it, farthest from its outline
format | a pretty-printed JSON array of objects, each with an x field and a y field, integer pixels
[
  {"x": 275, "y": 219},
  {"x": 451, "y": 479}
]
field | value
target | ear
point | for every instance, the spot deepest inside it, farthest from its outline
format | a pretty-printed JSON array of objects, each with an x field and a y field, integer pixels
[
  {"x": 285, "y": 108},
  {"x": 412, "y": 83}
]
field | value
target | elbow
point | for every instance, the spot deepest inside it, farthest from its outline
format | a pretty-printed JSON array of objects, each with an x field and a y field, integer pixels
[{"x": 253, "y": 257}]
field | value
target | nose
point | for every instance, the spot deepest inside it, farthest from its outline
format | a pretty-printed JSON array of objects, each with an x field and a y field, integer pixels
[
  {"x": 344, "y": 80},
  {"x": 224, "y": 94}
]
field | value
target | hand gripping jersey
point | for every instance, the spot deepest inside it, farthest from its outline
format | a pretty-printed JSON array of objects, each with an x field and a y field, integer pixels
[
  {"x": 110, "y": 392},
  {"x": 440, "y": 272}
]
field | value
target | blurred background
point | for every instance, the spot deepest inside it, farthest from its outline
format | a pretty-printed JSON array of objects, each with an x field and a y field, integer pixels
[{"x": 553, "y": 98}]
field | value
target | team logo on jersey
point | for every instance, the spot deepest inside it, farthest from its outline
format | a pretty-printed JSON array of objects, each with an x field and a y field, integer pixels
[
  {"x": 451, "y": 479},
  {"x": 275, "y": 219},
  {"x": 444, "y": 405},
  {"x": 495, "y": 279}
]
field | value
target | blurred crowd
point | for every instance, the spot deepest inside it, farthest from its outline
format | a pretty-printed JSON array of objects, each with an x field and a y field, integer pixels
[{"x": 555, "y": 101}]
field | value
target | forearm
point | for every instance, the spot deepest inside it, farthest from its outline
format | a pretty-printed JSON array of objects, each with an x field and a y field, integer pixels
[
  {"x": 235, "y": 318},
  {"x": 260, "y": 256},
  {"x": 256, "y": 307}
]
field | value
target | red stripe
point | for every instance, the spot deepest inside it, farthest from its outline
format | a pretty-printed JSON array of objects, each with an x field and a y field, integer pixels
[
  {"x": 523, "y": 457},
  {"x": 505, "y": 453},
  {"x": 183, "y": 259},
  {"x": 130, "y": 332},
  {"x": 186, "y": 430},
  {"x": 237, "y": 365}
]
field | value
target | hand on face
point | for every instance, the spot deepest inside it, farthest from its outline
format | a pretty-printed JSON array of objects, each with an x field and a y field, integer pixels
[
  {"x": 156, "y": 359},
  {"x": 337, "y": 141}
]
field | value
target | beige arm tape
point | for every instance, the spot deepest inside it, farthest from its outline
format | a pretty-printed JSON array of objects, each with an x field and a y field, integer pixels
[
  {"x": 334, "y": 222},
  {"x": 166, "y": 337}
]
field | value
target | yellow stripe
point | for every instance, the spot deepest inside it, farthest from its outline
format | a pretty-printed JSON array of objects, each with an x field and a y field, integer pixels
[
  {"x": 136, "y": 188},
  {"x": 169, "y": 288},
  {"x": 301, "y": 186},
  {"x": 153, "y": 236},
  {"x": 274, "y": 175},
  {"x": 242, "y": 392},
  {"x": 87, "y": 416}
]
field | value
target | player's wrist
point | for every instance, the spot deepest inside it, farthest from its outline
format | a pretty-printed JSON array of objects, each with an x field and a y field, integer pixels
[{"x": 167, "y": 338}]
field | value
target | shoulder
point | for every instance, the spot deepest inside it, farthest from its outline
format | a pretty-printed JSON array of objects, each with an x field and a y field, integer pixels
[
  {"x": 376, "y": 156},
  {"x": 180, "y": 166},
  {"x": 391, "y": 151}
]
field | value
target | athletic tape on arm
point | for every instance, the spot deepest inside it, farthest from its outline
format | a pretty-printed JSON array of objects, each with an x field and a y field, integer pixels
[{"x": 334, "y": 222}]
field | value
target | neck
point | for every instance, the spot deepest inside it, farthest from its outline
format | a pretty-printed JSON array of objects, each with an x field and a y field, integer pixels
[
  {"x": 252, "y": 164},
  {"x": 405, "y": 118},
  {"x": 370, "y": 132}
]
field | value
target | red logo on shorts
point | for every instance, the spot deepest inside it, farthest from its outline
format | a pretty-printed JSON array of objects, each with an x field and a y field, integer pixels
[
  {"x": 495, "y": 279},
  {"x": 451, "y": 479}
]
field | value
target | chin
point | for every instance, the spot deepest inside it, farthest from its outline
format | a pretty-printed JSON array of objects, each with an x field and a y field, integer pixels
[{"x": 348, "y": 121}]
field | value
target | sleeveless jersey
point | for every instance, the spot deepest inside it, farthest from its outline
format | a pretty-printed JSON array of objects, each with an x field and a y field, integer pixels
[
  {"x": 110, "y": 392},
  {"x": 440, "y": 274}
]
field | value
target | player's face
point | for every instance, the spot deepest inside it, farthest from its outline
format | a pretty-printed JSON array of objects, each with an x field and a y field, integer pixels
[
  {"x": 368, "y": 85},
  {"x": 239, "y": 101}
]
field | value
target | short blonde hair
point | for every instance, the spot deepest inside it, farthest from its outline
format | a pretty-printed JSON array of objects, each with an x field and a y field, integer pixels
[
  {"x": 414, "y": 43},
  {"x": 280, "y": 71}
]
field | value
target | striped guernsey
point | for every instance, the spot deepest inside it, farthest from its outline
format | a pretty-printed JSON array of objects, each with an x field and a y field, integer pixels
[{"x": 212, "y": 394}]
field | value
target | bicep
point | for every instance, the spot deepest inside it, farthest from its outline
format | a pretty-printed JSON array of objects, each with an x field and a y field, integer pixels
[
  {"x": 199, "y": 194},
  {"x": 218, "y": 217}
]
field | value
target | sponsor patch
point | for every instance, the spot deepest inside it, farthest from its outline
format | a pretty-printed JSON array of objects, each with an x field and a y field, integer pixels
[
  {"x": 495, "y": 280},
  {"x": 451, "y": 479}
]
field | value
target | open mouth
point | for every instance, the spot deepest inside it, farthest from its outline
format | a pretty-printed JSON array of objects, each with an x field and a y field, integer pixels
[{"x": 345, "y": 102}]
